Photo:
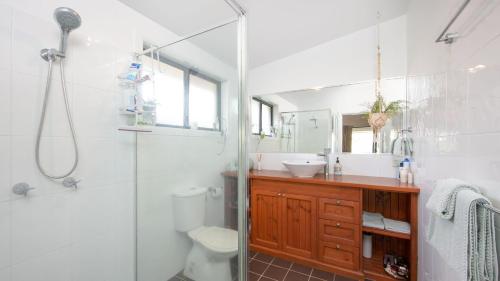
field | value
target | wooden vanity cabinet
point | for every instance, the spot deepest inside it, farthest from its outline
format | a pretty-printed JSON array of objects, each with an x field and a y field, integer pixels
[
  {"x": 316, "y": 224},
  {"x": 317, "y": 221}
]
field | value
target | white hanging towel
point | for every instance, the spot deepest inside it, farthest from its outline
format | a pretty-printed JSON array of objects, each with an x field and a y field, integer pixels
[
  {"x": 466, "y": 242},
  {"x": 443, "y": 197}
]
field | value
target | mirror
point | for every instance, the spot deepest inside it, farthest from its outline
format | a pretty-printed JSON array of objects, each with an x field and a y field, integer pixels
[{"x": 308, "y": 121}]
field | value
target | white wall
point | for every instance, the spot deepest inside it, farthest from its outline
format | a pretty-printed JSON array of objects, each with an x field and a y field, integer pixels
[
  {"x": 345, "y": 60},
  {"x": 455, "y": 111},
  {"x": 57, "y": 234}
]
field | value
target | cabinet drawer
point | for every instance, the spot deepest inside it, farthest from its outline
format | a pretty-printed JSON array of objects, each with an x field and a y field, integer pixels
[
  {"x": 339, "y": 255},
  {"x": 339, "y": 210},
  {"x": 339, "y": 231}
]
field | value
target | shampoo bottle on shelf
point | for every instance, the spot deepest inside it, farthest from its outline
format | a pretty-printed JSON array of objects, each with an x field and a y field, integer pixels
[{"x": 337, "y": 168}]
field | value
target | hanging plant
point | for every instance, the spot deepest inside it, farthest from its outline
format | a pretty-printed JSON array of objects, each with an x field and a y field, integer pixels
[{"x": 379, "y": 112}]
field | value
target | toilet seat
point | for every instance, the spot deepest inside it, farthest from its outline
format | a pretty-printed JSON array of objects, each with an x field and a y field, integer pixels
[{"x": 216, "y": 239}]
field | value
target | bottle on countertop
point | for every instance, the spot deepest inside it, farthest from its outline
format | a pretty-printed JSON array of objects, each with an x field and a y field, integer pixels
[
  {"x": 337, "y": 168},
  {"x": 410, "y": 177}
]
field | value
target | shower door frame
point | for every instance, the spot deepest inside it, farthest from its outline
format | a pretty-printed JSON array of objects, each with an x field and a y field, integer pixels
[{"x": 243, "y": 134}]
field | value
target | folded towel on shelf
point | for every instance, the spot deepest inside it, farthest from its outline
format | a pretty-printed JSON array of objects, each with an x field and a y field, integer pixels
[
  {"x": 397, "y": 226},
  {"x": 467, "y": 242},
  {"x": 443, "y": 198},
  {"x": 374, "y": 220}
]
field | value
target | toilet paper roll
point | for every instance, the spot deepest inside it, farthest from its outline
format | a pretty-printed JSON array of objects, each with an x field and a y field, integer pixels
[
  {"x": 367, "y": 246},
  {"x": 215, "y": 192}
]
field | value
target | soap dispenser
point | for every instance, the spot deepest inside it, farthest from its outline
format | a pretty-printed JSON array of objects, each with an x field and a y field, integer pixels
[{"x": 337, "y": 168}]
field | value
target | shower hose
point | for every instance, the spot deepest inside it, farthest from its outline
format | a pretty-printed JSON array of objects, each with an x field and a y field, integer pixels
[{"x": 42, "y": 121}]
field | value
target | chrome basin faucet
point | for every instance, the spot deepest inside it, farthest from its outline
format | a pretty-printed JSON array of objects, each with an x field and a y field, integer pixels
[{"x": 326, "y": 155}]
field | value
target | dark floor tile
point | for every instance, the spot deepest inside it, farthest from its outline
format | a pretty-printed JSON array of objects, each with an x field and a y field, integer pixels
[
  {"x": 295, "y": 276},
  {"x": 263, "y": 257},
  {"x": 323, "y": 275},
  {"x": 275, "y": 272},
  {"x": 253, "y": 277},
  {"x": 315, "y": 279},
  {"x": 264, "y": 278},
  {"x": 257, "y": 266},
  {"x": 251, "y": 254},
  {"x": 301, "y": 268},
  {"x": 282, "y": 263},
  {"x": 343, "y": 278}
]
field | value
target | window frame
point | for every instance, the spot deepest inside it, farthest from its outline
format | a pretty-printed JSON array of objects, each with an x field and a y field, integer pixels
[
  {"x": 271, "y": 106},
  {"x": 187, "y": 73}
]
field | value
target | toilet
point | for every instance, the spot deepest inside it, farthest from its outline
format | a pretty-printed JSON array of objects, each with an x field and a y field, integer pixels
[{"x": 213, "y": 246}]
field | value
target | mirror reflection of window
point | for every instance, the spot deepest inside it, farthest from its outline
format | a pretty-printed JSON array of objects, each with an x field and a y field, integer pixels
[
  {"x": 266, "y": 119},
  {"x": 255, "y": 117},
  {"x": 361, "y": 140},
  {"x": 262, "y": 117},
  {"x": 357, "y": 135}
]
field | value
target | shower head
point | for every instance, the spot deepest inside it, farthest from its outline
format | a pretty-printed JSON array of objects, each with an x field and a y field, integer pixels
[{"x": 68, "y": 20}]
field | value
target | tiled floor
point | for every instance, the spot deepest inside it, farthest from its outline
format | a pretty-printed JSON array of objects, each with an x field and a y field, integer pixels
[{"x": 267, "y": 268}]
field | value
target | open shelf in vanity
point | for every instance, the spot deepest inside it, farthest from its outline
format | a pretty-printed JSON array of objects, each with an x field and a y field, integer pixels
[{"x": 318, "y": 221}]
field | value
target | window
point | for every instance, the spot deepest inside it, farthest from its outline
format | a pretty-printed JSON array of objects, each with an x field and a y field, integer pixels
[
  {"x": 184, "y": 98},
  {"x": 262, "y": 117}
]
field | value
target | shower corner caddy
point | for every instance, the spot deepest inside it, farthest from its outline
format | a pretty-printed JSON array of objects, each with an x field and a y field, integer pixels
[
  {"x": 126, "y": 84},
  {"x": 137, "y": 129}
]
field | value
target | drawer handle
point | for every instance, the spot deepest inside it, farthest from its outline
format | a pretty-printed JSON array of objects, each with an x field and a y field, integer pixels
[
  {"x": 279, "y": 194},
  {"x": 338, "y": 247},
  {"x": 338, "y": 224},
  {"x": 338, "y": 202}
]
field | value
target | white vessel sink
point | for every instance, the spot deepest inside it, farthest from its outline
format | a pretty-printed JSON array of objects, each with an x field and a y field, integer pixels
[{"x": 304, "y": 168}]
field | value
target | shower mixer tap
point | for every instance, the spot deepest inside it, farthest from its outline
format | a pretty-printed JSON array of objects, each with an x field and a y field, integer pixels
[
  {"x": 71, "y": 182},
  {"x": 22, "y": 188}
]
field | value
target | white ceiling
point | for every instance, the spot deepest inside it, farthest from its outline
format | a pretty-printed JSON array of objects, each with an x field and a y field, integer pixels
[{"x": 276, "y": 28}]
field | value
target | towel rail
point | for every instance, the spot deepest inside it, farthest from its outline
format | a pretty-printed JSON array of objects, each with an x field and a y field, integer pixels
[
  {"x": 450, "y": 37},
  {"x": 491, "y": 208}
]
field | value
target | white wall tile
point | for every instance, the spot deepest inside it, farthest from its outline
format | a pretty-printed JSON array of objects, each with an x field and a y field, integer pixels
[
  {"x": 26, "y": 103},
  {"x": 5, "y": 36},
  {"x": 96, "y": 113},
  {"x": 91, "y": 223},
  {"x": 5, "y": 235},
  {"x": 5, "y": 99},
  {"x": 93, "y": 259},
  {"x": 97, "y": 162},
  {"x": 53, "y": 266},
  {"x": 30, "y": 34},
  {"x": 5, "y": 168},
  {"x": 5, "y": 274},
  {"x": 36, "y": 219}
]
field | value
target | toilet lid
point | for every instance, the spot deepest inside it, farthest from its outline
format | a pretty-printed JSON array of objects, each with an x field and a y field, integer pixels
[{"x": 217, "y": 239}]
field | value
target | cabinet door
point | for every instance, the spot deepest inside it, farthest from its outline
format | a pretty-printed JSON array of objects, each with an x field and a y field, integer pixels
[
  {"x": 299, "y": 224},
  {"x": 266, "y": 216}
]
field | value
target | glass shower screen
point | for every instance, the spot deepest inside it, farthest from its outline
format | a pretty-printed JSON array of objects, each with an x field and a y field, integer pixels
[{"x": 187, "y": 167}]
